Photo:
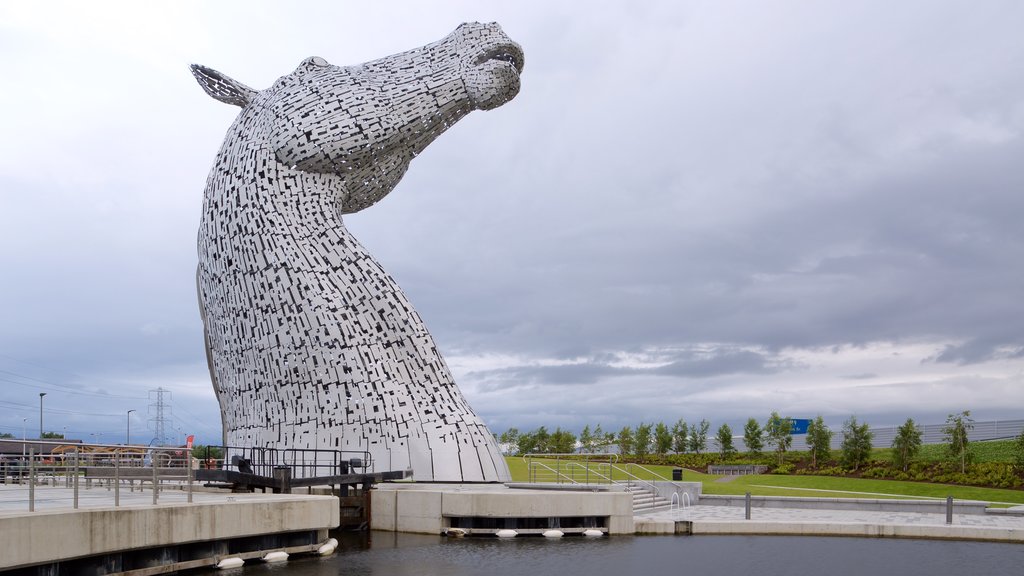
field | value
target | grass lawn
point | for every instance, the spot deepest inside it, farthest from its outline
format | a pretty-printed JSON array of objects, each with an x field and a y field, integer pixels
[{"x": 814, "y": 486}]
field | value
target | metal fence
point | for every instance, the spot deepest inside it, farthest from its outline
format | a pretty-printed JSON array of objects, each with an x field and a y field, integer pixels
[
  {"x": 930, "y": 434},
  {"x": 83, "y": 467}
]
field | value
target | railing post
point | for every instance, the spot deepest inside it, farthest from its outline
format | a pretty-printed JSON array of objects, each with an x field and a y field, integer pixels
[
  {"x": 32, "y": 479},
  {"x": 75, "y": 481},
  {"x": 191, "y": 475},
  {"x": 117, "y": 480},
  {"x": 153, "y": 462}
]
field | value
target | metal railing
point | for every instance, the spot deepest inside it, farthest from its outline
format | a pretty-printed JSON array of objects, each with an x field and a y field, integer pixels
[
  {"x": 303, "y": 462},
  {"x": 571, "y": 468},
  {"x": 79, "y": 467}
]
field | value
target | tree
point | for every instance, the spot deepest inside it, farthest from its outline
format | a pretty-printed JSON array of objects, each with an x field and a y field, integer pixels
[
  {"x": 753, "y": 437},
  {"x": 819, "y": 441},
  {"x": 642, "y": 440},
  {"x": 562, "y": 442},
  {"x": 699, "y": 437},
  {"x": 779, "y": 432},
  {"x": 625, "y": 440},
  {"x": 662, "y": 439},
  {"x": 856, "y": 443},
  {"x": 542, "y": 440},
  {"x": 52, "y": 436},
  {"x": 724, "y": 440},
  {"x": 207, "y": 452},
  {"x": 906, "y": 444},
  {"x": 510, "y": 438},
  {"x": 958, "y": 447},
  {"x": 1018, "y": 452},
  {"x": 586, "y": 440},
  {"x": 535, "y": 442},
  {"x": 6, "y": 435},
  {"x": 679, "y": 433},
  {"x": 609, "y": 439}
]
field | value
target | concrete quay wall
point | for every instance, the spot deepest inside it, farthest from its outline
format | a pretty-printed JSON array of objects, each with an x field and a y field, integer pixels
[
  {"x": 426, "y": 509},
  {"x": 51, "y": 536}
]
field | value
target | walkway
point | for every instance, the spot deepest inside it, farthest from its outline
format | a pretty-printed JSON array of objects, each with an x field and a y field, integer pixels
[
  {"x": 708, "y": 519},
  {"x": 14, "y": 499}
]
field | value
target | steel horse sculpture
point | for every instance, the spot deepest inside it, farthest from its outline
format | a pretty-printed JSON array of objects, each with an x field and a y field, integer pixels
[{"x": 310, "y": 343}]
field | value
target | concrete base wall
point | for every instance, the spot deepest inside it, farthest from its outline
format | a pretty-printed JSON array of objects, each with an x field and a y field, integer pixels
[
  {"x": 667, "y": 489},
  {"x": 424, "y": 508},
  {"x": 53, "y": 536}
]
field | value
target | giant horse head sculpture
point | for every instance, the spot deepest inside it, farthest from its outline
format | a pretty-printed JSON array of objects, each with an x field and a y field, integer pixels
[{"x": 311, "y": 345}]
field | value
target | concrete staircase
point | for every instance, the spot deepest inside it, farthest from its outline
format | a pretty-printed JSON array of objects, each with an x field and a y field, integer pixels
[{"x": 646, "y": 501}]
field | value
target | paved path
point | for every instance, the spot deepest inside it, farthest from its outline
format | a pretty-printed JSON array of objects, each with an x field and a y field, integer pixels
[{"x": 14, "y": 498}]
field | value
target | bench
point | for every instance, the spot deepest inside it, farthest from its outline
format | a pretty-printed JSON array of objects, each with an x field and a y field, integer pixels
[{"x": 737, "y": 469}]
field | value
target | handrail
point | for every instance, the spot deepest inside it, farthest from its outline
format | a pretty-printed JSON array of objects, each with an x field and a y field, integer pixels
[
  {"x": 590, "y": 471},
  {"x": 574, "y": 455},
  {"x": 649, "y": 471},
  {"x": 557, "y": 473},
  {"x": 571, "y": 460},
  {"x": 304, "y": 462},
  {"x": 679, "y": 504},
  {"x": 633, "y": 477},
  {"x": 109, "y": 467}
]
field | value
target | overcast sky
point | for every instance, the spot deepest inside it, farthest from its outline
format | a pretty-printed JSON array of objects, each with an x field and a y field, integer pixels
[{"x": 692, "y": 209}]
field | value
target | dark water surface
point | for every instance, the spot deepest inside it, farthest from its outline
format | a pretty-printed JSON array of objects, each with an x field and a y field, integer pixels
[{"x": 404, "y": 554}]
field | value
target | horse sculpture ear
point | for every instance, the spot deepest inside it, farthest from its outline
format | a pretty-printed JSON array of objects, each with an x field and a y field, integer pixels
[{"x": 221, "y": 87}]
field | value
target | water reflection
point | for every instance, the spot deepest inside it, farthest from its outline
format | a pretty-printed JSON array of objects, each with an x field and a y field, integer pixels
[{"x": 388, "y": 554}]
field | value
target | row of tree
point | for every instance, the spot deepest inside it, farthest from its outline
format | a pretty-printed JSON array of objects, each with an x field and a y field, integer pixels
[{"x": 776, "y": 434}]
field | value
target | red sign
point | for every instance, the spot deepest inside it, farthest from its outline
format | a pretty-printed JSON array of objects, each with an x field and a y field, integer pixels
[{"x": 188, "y": 441}]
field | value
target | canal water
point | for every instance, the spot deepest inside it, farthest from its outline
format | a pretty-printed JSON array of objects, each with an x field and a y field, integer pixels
[{"x": 389, "y": 554}]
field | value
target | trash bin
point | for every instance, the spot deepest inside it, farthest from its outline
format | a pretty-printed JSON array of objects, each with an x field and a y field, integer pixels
[{"x": 677, "y": 474}]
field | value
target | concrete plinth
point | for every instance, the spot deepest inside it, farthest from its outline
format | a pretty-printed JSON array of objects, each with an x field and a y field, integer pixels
[{"x": 431, "y": 508}]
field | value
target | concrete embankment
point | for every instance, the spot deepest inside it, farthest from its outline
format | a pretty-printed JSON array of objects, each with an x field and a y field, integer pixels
[{"x": 140, "y": 538}]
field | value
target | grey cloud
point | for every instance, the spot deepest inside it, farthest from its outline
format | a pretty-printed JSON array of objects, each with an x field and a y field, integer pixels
[
  {"x": 978, "y": 350},
  {"x": 863, "y": 376},
  {"x": 668, "y": 176}
]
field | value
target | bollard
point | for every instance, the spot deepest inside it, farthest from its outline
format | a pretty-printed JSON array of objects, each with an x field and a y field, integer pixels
[
  {"x": 747, "y": 505},
  {"x": 949, "y": 509},
  {"x": 283, "y": 475}
]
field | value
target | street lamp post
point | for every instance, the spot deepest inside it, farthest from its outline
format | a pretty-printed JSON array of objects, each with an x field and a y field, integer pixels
[
  {"x": 23, "y": 436},
  {"x": 41, "y": 394},
  {"x": 128, "y": 429}
]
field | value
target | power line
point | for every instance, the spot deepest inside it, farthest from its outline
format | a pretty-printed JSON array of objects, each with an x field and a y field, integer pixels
[{"x": 63, "y": 389}]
